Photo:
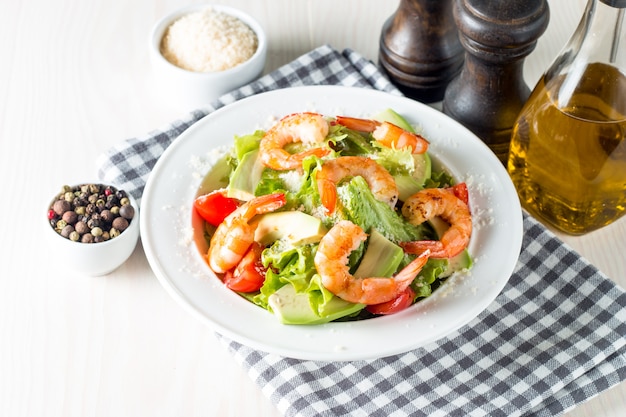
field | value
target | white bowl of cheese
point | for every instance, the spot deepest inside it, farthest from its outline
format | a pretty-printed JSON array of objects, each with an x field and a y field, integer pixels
[{"x": 201, "y": 52}]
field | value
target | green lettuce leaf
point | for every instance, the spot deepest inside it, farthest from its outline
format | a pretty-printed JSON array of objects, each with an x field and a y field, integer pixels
[
  {"x": 326, "y": 304},
  {"x": 270, "y": 183},
  {"x": 396, "y": 161},
  {"x": 246, "y": 143},
  {"x": 293, "y": 264},
  {"x": 363, "y": 209},
  {"x": 439, "y": 179},
  {"x": 425, "y": 282},
  {"x": 348, "y": 142}
]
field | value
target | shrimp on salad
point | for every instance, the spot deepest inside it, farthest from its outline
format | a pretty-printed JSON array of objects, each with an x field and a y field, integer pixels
[
  {"x": 386, "y": 133},
  {"x": 380, "y": 181},
  {"x": 331, "y": 263},
  {"x": 432, "y": 202},
  {"x": 308, "y": 128},
  {"x": 235, "y": 234}
]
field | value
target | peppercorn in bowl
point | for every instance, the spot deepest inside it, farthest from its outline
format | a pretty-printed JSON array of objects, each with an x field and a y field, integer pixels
[{"x": 93, "y": 228}]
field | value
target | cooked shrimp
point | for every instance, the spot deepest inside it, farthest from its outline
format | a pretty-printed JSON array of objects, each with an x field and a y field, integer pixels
[
  {"x": 333, "y": 171},
  {"x": 386, "y": 133},
  {"x": 235, "y": 234},
  {"x": 308, "y": 128},
  {"x": 331, "y": 261},
  {"x": 429, "y": 203}
]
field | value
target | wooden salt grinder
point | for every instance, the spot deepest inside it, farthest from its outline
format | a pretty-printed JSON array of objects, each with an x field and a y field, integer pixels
[
  {"x": 420, "y": 50},
  {"x": 489, "y": 93}
]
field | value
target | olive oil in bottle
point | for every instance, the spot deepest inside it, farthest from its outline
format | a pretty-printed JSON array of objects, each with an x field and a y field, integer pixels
[
  {"x": 568, "y": 146},
  {"x": 569, "y": 164}
]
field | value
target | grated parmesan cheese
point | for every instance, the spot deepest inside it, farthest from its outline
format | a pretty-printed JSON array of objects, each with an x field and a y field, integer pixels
[{"x": 207, "y": 41}]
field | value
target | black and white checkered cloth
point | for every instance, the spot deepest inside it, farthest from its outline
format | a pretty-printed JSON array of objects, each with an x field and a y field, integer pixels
[{"x": 554, "y": 337}]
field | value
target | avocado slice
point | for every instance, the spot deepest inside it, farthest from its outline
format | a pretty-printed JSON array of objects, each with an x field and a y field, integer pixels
[
  {"x": 292, "y": 307},
  {"x": 458, "y": 263},
  {"x": 391, "y": 116},
  {"x": 217, "y": 177},
  {"x": 423, "y": 167},
  {"x": 295, "y": 226},
  {"x": 246, "y": 176},
  {"x": 407, "y": 186},
  {"x": 381, "y": 259},
  {"x": 410, "y": 184}
]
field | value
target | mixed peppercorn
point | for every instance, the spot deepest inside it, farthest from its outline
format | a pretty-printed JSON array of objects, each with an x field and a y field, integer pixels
[{"x": 91, "y": 213}]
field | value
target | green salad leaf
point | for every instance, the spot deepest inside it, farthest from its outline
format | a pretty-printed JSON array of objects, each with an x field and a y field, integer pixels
[
  {"x": 396, "y": 161},
  {"x": 346, "y": 142},
  {"x": 423, "y": 284},
  {"x": 246, "y": 143},
  {"x": 362, "y": 208}
]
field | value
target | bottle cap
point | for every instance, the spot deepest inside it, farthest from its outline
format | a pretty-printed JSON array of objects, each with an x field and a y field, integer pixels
[{"x": 620, "y": 4}]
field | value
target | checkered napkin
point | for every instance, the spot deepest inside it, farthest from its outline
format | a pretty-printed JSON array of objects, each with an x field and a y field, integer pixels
[{"x": 554, "y": 337}]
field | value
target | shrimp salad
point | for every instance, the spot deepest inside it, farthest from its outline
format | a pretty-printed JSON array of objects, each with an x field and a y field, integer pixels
[{"x": 335, "y": 218}]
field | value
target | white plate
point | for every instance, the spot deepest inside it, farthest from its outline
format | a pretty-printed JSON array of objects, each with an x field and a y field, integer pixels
[{"x": 167, "y": 234}]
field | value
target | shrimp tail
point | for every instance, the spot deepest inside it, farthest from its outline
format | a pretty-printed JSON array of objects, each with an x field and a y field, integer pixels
[
  {"x": 319, "y": 152},
  {"x": 409, "y": 272},
  {"x": 393, "y": 136},
  {"x": 328, "y": 194},
  {"x": 354, "y": 123},
  {"x": 434, "y": 247},
  {"x": 265, "y": 204},
  {"x": 388, "y": 134},
  {"x": 381, "y": 290}
]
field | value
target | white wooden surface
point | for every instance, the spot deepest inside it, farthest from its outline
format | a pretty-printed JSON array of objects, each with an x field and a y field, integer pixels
[{"x": 74, "y": 79}]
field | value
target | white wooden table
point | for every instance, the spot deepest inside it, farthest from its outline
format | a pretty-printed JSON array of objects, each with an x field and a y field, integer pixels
[{"x": 74, "y": 79}]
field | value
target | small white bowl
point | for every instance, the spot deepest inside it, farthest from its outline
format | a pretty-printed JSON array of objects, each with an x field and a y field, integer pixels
[
  {"x": 93, "y": 259},
  {"x": 191, "y": 89}
]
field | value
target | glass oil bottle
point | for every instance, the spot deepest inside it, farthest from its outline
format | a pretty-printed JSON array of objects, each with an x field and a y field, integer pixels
[{"x": 568, "y": 147}]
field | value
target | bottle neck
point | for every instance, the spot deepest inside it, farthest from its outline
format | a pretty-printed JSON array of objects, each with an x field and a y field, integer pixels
[
  {"x": 604, "y": 33},
  {"x": 593, "y": 63},
  {"x": 599, "y": 38}
]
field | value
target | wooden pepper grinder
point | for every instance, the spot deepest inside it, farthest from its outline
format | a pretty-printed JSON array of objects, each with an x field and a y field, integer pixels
[
  {"x": 420, "y": 50},
  {"x": 488, "y": 94}
]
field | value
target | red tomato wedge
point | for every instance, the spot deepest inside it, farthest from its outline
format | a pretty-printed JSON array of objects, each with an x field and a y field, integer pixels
[
  {"x": 402, "y": 301},
  {"x": 249, "y": 275},
  {"x": 215, "y": 207},
  {"x": 460, "y": 191}
]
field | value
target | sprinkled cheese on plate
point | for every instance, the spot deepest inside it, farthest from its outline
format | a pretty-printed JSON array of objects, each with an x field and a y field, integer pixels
[
  {"x": 293, "y": 180},
  {"x": 207, "y": 41}
]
